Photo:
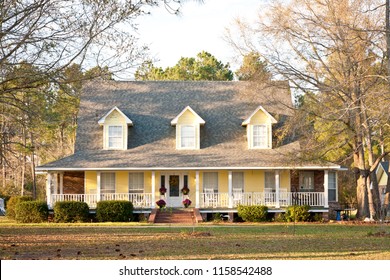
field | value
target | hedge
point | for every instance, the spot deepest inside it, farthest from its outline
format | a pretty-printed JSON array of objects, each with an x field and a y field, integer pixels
[
  {"x": 31, "y": 212},
  {"x": 71, "y": 211},
  {"x": 298, "y": 212},
  {"x": 114, "y": 211},
  {"x": 257, "y": 213},
  {"x": 13, "y": 202}
]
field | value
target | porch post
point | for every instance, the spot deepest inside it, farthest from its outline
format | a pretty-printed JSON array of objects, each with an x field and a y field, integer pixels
[
  {"x": 326, "y": 187},
  {"x": 55, "y": 183},
  {"x": 98, "y": 187},
  {"x": 277, "y": 188},
  {"x": 48, "y": 189},
  {"x": 230, "y": 189},
  {"x": 153, "y": 189},
  {"x": 62, "y": 183},
  {"x": 197, "y": 200}
]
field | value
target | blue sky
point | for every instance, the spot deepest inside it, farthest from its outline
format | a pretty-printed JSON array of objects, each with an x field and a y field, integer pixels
[{"x": 199, "y": 27}]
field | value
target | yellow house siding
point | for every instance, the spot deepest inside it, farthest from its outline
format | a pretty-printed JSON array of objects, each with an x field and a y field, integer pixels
[
  {"x": 187, "y": 118},
  {"x": 148, "y": 182},
  {"x": 254, "y": 180},
  {"x": 223, "y": 181},
  {"x": 285, "y": 180},
  {"x": 122, "y": 182},
  {"x": 90, "y": 182},
  {"x": 260, "y": 118}
]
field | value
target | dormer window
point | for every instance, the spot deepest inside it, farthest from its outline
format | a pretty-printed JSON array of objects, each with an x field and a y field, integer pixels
[
  {"x": 260, "y": 136},
  {"x": 187, "y": 124},
  {"x": 188, "y": 137},
  {"x": 115, "y": 129},
  {"x": 259, "y": 129},
  {"x": 115, "y": 137}
]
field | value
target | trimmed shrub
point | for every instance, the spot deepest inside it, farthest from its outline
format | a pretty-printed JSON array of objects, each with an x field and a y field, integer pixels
[
  {"x": 13, "y": 202},
  {"x": 257, "y": 213},
  {"x": 71, "y": 211},
  {"x": 114, "y": 211},
  {"x": 31, "y": 212},
  {"x": 299, "y": 212}
]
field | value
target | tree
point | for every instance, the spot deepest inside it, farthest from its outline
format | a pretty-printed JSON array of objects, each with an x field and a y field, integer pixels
[
  {"x": 204, "y": 67},
  {"x": 332, "y": 52},
  {"x": 253, "y": 68},
  {"x": 45, "y": 47}
]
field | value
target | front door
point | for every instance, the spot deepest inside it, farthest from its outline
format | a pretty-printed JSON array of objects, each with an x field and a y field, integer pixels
[{"x": 174, "y": 199}]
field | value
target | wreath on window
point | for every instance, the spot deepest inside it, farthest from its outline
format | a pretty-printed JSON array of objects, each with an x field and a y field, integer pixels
[
  {"x": 185, "y": 190},
  {"x": 162, "y": 190}
]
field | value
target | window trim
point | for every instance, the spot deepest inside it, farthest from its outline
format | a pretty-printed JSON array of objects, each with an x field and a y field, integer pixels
[
  {"x": 194, "y": 146},
  {"x": 304, "y": 174},
  {"x": 102, "y": 181},
  {"x": 143, "y": 183},
  {"x": 333, "y": 189},
  {"x": 120, "y": 146},
  {"x": 216, "y": 188}
]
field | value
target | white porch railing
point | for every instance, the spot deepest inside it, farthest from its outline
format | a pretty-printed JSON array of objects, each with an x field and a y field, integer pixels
[
  {"x": 139, "y": 200},
  {"x": 214, "y": 200},
  {"x": 312, "y": 199},
  {"x": 207, "y": 200}
]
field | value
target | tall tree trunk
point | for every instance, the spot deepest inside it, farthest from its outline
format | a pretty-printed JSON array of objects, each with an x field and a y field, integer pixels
[
  {"x": 388, "y": 38},
  {"x": 33, "y": 177},
  {"x": 372, "y": 182}
]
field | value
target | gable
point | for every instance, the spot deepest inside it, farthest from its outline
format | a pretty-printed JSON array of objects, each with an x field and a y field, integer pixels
[{"x": 188, "y": 116}]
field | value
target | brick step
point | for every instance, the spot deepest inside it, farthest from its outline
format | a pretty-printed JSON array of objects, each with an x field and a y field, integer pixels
[{"x": 176, "y": 216}]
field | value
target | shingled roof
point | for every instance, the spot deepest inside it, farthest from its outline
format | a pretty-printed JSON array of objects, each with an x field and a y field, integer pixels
[{"x": 151, "y": 141}]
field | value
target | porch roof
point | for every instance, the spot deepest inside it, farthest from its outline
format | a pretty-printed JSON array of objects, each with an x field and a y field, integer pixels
[{"x": 148, "y": 158}]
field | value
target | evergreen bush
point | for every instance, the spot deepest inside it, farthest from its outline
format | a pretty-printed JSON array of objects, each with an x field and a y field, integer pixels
[
  {"x": 256, "y": 213},
  {"x": 71, "y": 211},
  {"x": 13, "y": 202},
  {"x": 114, "y": 211},
  {"x": 31, "y": 212},
  {"x": 299, "y": 212}
]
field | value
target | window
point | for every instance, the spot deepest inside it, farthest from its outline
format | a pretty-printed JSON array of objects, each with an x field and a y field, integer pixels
[
  {"x": 115, "y": 137},
  {"x": 107, "y": 182},
  {"x": 332, "y": 186},
  {"x": 238, "y": 181},
  {"x": 260, "y": 137},
  {"x": 210, "y": 181},
  {"x": 269, "y": 181},
  {"x": 188, "y": 136},
  {"x": 136, "y": 182},
  {"x": 306, "y": 181}
]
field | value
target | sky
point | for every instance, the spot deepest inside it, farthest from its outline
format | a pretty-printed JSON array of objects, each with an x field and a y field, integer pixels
[{"x": 199, "y": 27}]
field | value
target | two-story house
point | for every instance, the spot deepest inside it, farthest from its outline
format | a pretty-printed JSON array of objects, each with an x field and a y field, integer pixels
[{"x": 215, "y": 138}]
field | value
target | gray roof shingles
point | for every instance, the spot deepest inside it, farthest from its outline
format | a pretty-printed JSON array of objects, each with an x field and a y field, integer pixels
[{"x": 151, "y": 140}]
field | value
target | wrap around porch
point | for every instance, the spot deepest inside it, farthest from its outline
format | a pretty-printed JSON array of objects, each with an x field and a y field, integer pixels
[{"x": 208, "y": 190}]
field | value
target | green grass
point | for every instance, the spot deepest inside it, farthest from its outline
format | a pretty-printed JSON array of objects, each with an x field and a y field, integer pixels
[{"x": 205, "y": 241}]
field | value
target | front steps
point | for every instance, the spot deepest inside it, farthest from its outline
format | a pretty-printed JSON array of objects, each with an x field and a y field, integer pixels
[{"x": 174, "y": 216}]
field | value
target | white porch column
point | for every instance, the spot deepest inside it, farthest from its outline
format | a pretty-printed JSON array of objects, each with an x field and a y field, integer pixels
[
  {"x": 62, "y": 183},
  {"x": 230, "y": 189},
  {"x": 197, "y": 200},
  {"x": 153, "y": 189},
  {"x": 55, "y": 183},
  {"x": 277, "y": 188},
  {"x": 326, "y": 187},
  {"x": 98, "y": 187},
  {"x": 48, "y": 189}
]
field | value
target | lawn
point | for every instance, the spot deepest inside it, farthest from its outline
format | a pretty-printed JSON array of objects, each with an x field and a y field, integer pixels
[{"x": 205, "y": 241}]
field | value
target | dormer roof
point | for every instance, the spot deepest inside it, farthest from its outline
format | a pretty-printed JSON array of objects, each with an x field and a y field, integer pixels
[
  {"x": 188, "y": 108},
  {"x": 127, "y": 120},
  {"x": 260, "y": 108}
]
